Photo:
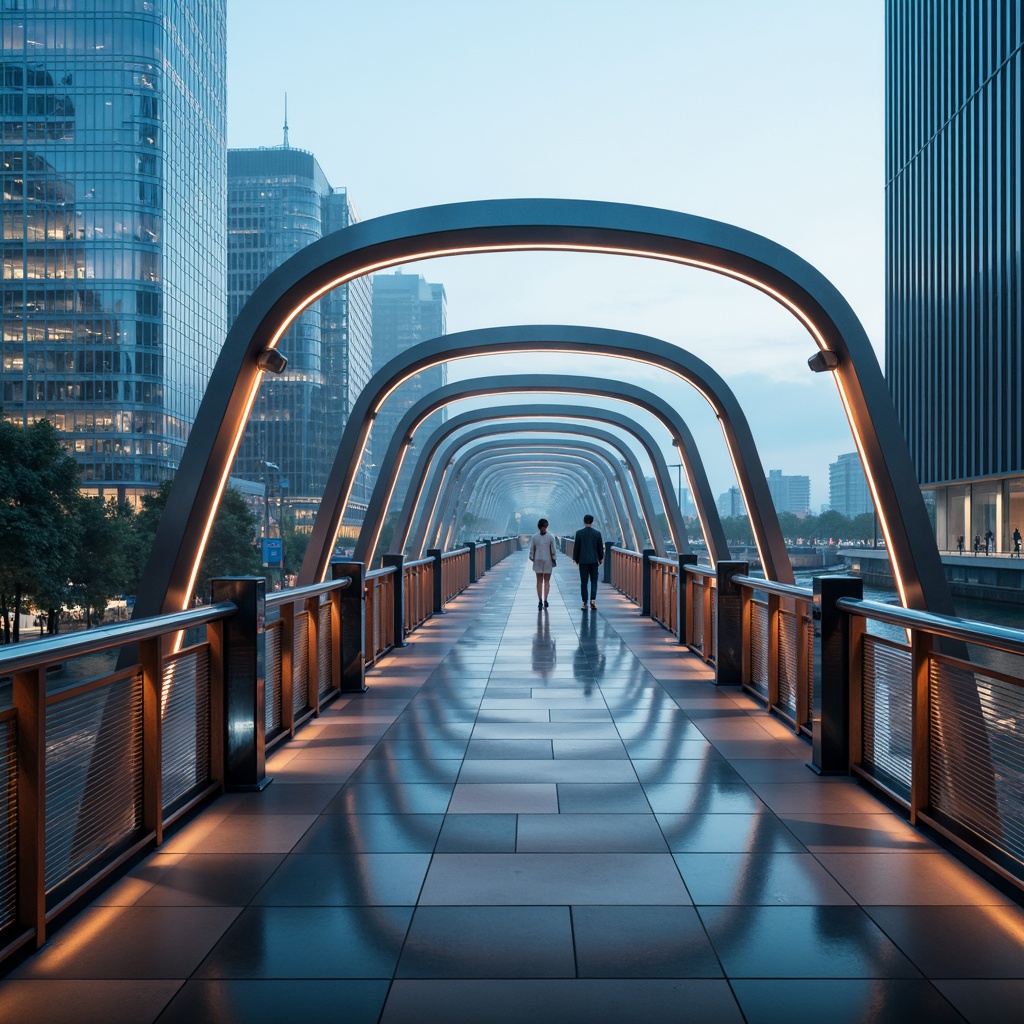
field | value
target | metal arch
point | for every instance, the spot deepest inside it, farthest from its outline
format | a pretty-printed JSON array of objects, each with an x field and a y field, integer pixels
[
  {"x": 582, "y": 340},
  {"x": 504, "y": 419},
  {"x": 534, "y": 224},
  {"x": 527, "y": 422},
  {"x": 707, "y": 511},
  {"x": 574, "y": 474},
  {"x": 621, "y": 498},
  {"x": 646, "y": 514},
  {"x": 526, "y": 458},
  {"x": 569, "y": 485}
]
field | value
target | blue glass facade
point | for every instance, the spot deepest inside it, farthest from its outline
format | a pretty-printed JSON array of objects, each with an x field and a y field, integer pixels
[
  {"x": 114, "y": 162},
  {"x": 279, "y": 201},
  {"x": 955, "y": 278},
  {"x": 407, "y": 309}
]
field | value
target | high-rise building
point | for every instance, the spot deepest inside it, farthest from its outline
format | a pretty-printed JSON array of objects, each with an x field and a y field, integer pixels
[
  {"x": 730, "y": 503},
  {"x": 113, "y": 156},
  {"x": 279, "y": 201},
  {"x": 406, "y": 310},
  {"x": 848, "y": 486},
  {"x": 954, "y": 273},
  {"x": 789, "y": 493}
]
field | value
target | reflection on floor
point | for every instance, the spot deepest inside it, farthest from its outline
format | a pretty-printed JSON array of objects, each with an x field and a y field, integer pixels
[{"x": 541, "y": 816}]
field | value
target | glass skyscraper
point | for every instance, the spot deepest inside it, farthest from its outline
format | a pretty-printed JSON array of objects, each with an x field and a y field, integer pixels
[
  {"x": 114, "y": 162},
  {"x": 407, "y": 309},
  {"x": 279, "y": 201},
  {"x": 955, "y": 277},
  {"x": 848, "y": 486}
]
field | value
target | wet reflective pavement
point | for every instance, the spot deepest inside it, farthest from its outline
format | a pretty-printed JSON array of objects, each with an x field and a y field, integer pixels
[{"x": 544, "y": 816}]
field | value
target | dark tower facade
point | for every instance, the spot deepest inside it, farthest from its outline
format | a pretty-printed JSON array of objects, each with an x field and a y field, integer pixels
[{"x": 954, "y": 284}]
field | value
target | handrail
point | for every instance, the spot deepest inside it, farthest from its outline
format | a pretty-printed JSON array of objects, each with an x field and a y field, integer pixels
[
  {"x": 29, "y": 653},
  {"x": 387, "y": 570},
  {"x": 279, "y": 597},
  {"x": 451, "y": 554},
  {"x": 419, "y": 561},
  {"x": 771, "y": 587},
  {"x": 658, "y": 560},
  {"x": 1000, "y": 638},
  {"x": 700, "y": 570}
]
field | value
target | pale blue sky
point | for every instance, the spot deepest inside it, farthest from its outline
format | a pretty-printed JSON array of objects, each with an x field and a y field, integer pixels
[{"x": 764, "y": 113}]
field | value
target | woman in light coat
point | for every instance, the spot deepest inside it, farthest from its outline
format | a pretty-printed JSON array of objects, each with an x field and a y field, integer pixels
[{"x": 542, "y": 554}]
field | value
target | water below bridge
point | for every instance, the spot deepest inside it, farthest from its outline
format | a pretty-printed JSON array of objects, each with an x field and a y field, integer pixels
[{"x": 538, "y": 815}]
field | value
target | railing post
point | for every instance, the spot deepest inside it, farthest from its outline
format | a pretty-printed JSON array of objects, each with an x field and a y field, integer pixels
[
  {"x": 729, "y": 628},
  {"x": 152, "y": 664},
  {"x": 398, "y": 590},
  {"x": 472, "y": 561},
  {"x": 608, "y": 545},
  {"x": 830, "y": 722},
  {"x": 435, "y": 554},
  {"x": 487, "y": 556},
  {"x": 243, "y": 673},
  {"x": 29, "y": 695},
  {"x": 350, "y": 648},
  {"x": 645, "y": 580},
  {"x": 682, "y": 591}
]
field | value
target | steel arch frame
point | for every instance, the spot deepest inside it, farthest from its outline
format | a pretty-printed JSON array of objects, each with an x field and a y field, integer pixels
[
  {"x": 505, "y": 419},
  {"x": 640, "y": 524},
  {"x": 538, "y": 224},
  {"x": 620, "y": 391}
]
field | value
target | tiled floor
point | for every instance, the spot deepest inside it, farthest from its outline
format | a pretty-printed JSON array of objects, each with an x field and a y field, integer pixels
[{"x": 544, "y": 816}]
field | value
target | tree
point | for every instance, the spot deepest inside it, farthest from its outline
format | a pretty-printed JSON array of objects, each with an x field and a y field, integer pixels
[
  {"x": 737, "y": 530},
  {"x": 102, "y": 566},
  {"x": 39, "y": 482},
  {"x": 832, "y": 525},
  {"x": 229, "y": 551},
  {"x": 294, "y": 543}
]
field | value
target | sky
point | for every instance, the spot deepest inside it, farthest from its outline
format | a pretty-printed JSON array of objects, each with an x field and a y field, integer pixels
[{"x": 766, "y": 114}]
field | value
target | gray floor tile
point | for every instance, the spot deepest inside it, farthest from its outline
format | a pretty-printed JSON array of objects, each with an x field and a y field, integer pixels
[
  {"x": 339, "y": 880},
  {"x": 549, "y": 770},
  {"x": 479, "y": 833},
  {"x": 727, "y": 833},
  {"x": 532, "y": 879},
  {"x": 642, "y": 942},
  {"x": 589, "y": 833},
  {"x": 504, "y": 798},
  {"x": 598, "y": 798},
  {"x": 489, "y": 942},
  {"x": 578, "y": 1001},
  {"x": 77, "y": 1001}
]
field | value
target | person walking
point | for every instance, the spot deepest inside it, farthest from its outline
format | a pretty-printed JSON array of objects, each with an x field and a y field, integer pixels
[
  {"x": 588, "y": 554},
  {"x": 960, "y": 543},
  {"x": 1016, "y": 541},
  {"x": 542, "y": 554},
  {"x": 990, "y": 541}
]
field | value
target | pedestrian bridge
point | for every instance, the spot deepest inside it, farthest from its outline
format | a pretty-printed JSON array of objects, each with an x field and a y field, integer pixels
[
  {"x": 720, "y": 796},
  {"x": 540, "y": 815}
]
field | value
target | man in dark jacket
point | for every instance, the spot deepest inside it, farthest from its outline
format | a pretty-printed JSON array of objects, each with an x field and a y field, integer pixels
[{"x": 588, "y": 554}]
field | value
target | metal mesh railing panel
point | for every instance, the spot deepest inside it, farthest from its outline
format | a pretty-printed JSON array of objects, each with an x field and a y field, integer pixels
[
  {"x": 787, "y": 664},
  {"x": 272, "y": 672},
  {"x": 759, "y": 648},
  {"x": 886, "y": 714},
  {"x": 808, "y": 655},
  {"x": 93, "y": 776},
  {"x": 698, "y": 617},
  {"x": 711, "y": 636},
  {"x": 185, "y": 724},
  {"x": 300, "y": 663},
  {"x": 977, "y": 761},
  {"x": 8, "y": 822},
  {"x": 323, "y": 646}
]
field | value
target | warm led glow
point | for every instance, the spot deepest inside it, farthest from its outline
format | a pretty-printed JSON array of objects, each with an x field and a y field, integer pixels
[
  {"x": 879, "y": 507},
  {"x": 610, "y": 250}
]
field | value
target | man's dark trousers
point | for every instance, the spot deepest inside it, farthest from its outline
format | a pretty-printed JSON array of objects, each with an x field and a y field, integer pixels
[
  {"x": 588, "y": 572},
  {"x": 587, "y": 552}
]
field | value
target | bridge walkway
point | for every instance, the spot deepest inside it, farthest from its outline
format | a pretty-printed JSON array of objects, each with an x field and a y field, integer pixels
[{"x": 533, "y": 815}]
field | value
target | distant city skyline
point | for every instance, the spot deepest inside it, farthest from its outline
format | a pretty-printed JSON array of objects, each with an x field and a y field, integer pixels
[{"x": 766, "y": 116}]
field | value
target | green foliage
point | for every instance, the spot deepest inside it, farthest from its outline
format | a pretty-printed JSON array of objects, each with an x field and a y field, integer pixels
[
  {"x": 103, "y": 558},
  {"x": 230, "y": 550},
  {"x": 39, "y": 483},
  {"x": 737, "y": 530},
  {"x": 295, "y": 544}
]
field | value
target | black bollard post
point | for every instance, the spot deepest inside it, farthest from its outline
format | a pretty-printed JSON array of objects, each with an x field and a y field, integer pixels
[
  {"x": 353, "y": 626},
  {"x": 244, "y": 681}
]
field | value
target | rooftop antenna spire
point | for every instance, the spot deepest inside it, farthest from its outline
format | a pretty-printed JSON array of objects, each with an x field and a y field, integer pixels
[{"x": 286, "y": 146}]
